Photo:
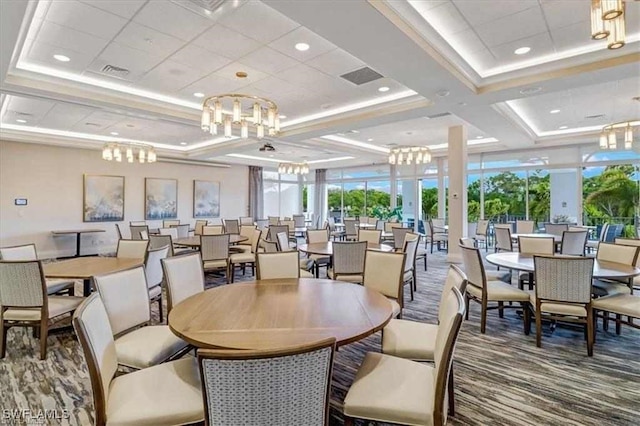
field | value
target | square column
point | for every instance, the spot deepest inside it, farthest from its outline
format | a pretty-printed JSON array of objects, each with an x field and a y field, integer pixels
[{"x": 457, "y": 190}]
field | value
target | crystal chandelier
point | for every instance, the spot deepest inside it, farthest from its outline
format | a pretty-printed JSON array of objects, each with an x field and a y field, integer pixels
[
  {"x": 293, "y": 168},
  {"x": 609, "y": 135},
  {"x": 143, "y": 153},
  {"x": 224, "y": 113},
  {"x": 410, "y": 154},
  {"x": 607, "y": 21}
]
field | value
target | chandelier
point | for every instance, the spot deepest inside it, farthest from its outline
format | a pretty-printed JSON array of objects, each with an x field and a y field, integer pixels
[
  {"x": 607, "y": 21},
  {"x": 609, "y": 137},
  {"x": 143, "y": 153},
  {"x": 293, "y": 168},
  {"x": 224, "y": 113},
  {"x": 410, "y": 154}
]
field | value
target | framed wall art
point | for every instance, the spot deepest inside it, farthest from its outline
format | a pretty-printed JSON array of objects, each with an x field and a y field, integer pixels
[
  {"x": 103, "y": 198},
  {"x": 160, "y": 199},
  {"x": 206, "y": 199}
]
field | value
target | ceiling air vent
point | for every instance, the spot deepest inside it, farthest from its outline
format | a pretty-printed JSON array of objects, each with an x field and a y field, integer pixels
[
  {"x": 114, "y": 71},
  {"x": 200, "y": 6},
  {"x": 443, "y": 114},
  {"x": 593, "y": 117},
  {"x": 361, "y": 76}
]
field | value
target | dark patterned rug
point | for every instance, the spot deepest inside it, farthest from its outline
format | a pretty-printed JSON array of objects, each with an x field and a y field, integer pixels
[{"x": 501, "y": 377}]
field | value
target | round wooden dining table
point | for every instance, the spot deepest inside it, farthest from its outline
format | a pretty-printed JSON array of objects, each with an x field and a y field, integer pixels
[
  {"x": 272, "y": 314},
  {"x": 194, "y": 241},
  {"x": 326, "y": 248}
]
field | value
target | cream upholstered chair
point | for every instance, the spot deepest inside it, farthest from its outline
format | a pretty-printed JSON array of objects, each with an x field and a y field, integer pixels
[
  {"x": 398, "y": 236},
  {"x": 348, "y": 261},
  {"x": 525, "y": 226},
  {"x": 138, "y": 345},
  {"x": 305, "y": 264},
  {"x": 273, "y": 220},
  {"x": 280, "y": 265},
  {"x": 416, "y": 340},
  {"x": 184, "y": 277},
  {"x": 574, "y": 242},
  {"x": 246, "y": 220},
  {"x": 373, "y": 221},
  {"x": 133, "y": 249},
  {"x": 351, "y": 229},
  {"x": 137, "y": 231},
  {"x": 155, "y": 276},
  {"x": 213, "y": 230},
  {"x": 159, "y": 241},
  {"x": 369, "y": 235},
  {"x": 555, "y": 228},
  {"x": 503, "y": 237},
  {"x": 123, "y": 232},
  {"x": 482, "y": 234},
  {"x": 383, "y": 272},
  {"x": 298, "y": 221},
  {"x": 274, "y": 230},
  {"x": 276, "y": 387},
  {"x": 291, "y": 227},
  {"x": 563, "y": 292},
  {"x": 199, "y": 225},
  {"x": 318, "y": 236},
  {"x": 29, "y": 252},
  {"x": 388, "y": 230},
  {"x": 410, "y": 249},
  {"x": 484, "y": 291},
  {"x": 434, "y": 237},
  {"x": 380, "y": 224},
  {"x": 215, "y": 253},
  {"x": 137, "y": 223},
  {"x": 165, "y": 394},
  {"x": 400, "y": 391},
  {"x": 617, "y": 253},
  {"x": 246, "y": 258},
  {"x": 468, "y": 242},
  {"x": 246, "y": 231},
  {"x": 534, "y": 245},
  {"x": 636, "y": 243},
  {"x": 333, "y": 229},
  {"x": 169, "y": 231},
  {"x": 24, "y": 301},
  {"x": 167, "y": 223},
  {"x": 620, "y": 304},
  {"x": 490, "y": 275},
  {"x": 231, "y": 226},
  {"x": 183, "y": 230}
]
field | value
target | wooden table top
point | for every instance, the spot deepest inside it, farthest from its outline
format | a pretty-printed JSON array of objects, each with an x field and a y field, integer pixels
[
  {"x": 272, "y": 314},
  {"x": 87, "y": 267},
  {"x": 76, "y": 231},
  {"x": 194, "y": 241},
  {"x": 326, "y": 249},
  {"x": 556, "y": 238},
  {"x": 524, "y": 262}
]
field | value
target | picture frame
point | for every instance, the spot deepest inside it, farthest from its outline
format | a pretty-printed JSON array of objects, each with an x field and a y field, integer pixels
[
  {"x": 160, "y": 198},
  {"x": 102, "y": 198},
  {"x": 206, "y": 199}
]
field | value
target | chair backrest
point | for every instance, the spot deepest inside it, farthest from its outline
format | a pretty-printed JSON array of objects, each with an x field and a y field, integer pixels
[
  {"x": 212, "y": 230},
  {"x": 603, "y": 231},
  {"x": 617, "y": 253},
  {"x": 410, "y": 248},
  {"x": 503, "y": 238},
  {"x": 456, "y": 278},
  {"x": 383, "y": 272},
  {"x": 482, "y": 227},
  {"x": 91, "y": 323},
  {"x": 119, "y": 231},
  {"x": 398, "y": 236},
  {"x": 369, "y": 235},
  {"x": 451, "y": 312},
  {"x": 273, "y": 220},
  {"x": 351, "y": 227},
  {"x": 574, "y": 242},
  {"x": 372, "y": 221},
  {"x": 214, "y": 247},
  {"x": 137, "y": 223},
  {"x": 247, "y": 231},
  {"x": 183, "y": 230},
  {"x": 613, "y": 231},
  {"x": 153, "y": 265},
  {"x": 473, "y": 266},
  {"x": 467, "y": 242},
  {"x": 22, "y": 285},
  {"x": 536, "y": 245},
  {"x": 255, "y": 240},
  {"x": 303, "y": 374},
  {"x": 438, "y": 223},
  {"x": 199, "y": 225},
  {"x": 563, "y": 279},
  {"x": 167, "y": 223},
  {"x": 428, "y": 228},
  {"x": 317, "y": 236},
  {"x": 630, "y": 242},
  {"x": 555, "y": 228},
  {"x": 278, "y": 265},
  {"x": 363, "y": 219},
  {"x": 126, "y": 298},
  {"x": 173, "y": 232},
  {"x": 389, "y": 226},
  {"x": 144, "y": 235},
  {"x": 135, "y": 249},
  {"x": 231, "y": 226},
  {"x": 380, "y": 224},
  {"x": 215, "y": 221},
  {"x": 24, "y": 252},
  {"x": 290, "y": 224},
  {"x": 298, "y": 220},
  {"x": 158, "y": 241},
  {"x": 136, "y": 231},
  {"x": 525, "y": 226},
  {"x": 283, "y": 241},
  {"x": 272, "y": 235},
  {"x": 269, "y": 246},
  {"x": 246, "y": 220},
  {"x": 262, "y": 223},
  {"x": 348, "y": 257},
  {"x": 184, "y": 277}
]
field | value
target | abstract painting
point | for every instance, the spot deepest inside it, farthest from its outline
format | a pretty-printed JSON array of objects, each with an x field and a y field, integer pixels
[
  {"x": 103, "y": 198},
  {"x": 206, "y": 198},
  {"x": 160, "y": 199}
]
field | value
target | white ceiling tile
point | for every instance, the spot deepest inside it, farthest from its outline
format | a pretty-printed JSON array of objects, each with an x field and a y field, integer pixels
[
  {"x": 563, "y": 13},
  {"x": 124, "y": 8},
  {"x": 85, "y": 18},
  {"x": 268, "y": 60},
  {"x": 482, "y": 11},
  {"x": 336, "y": 62},
  {"x": 275, "y": 85},
  {"x": 136, "y": 61},
  {"x": 540, "y": 44},
  {"x": 211, "y": 85},
  {"x": 65, "y": 115},
  {"x": 27, "y": 108},
  {"x": 199, "y": 58},
  {"x": 148, "y": 40},
  {"x": 229, "y": 72},
  {"x": 172, "y": 19},
  {"x": 467, "y": 41},
  {"x": 573, "y": 36},
  {"x": 42, "y": 53},
  {"x": 519, "y": 25},
  {"x": 481, "y": 59},
  {"x": 171, "y": 76},
  {"x": 226, "y": 42},
  {"x": 447, "y": 18},
  {"x": 317, "y": 45},
  {"x": 68, "y": 38},
  {"x": 260, "y": 22}
]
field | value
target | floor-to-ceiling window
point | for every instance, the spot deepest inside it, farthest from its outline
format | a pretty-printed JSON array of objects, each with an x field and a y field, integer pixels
[{"x": 282, "y": 194}]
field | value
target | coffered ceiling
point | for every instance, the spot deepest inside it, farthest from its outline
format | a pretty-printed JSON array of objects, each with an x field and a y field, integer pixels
[{"x": 136, "y": 69}]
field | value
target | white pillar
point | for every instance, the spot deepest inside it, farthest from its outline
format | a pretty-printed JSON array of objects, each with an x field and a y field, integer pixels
[
  {"x": 457, "y": 190},
  {"x": 564, "y": 194},
  {"x": 442, "y": 193}
]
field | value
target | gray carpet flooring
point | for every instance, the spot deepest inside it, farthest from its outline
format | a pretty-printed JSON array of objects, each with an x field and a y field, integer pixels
[{"x": 501, "y": 377}]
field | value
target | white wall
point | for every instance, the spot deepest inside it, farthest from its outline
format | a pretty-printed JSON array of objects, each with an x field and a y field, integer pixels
[{"x": 51, "y": 178}]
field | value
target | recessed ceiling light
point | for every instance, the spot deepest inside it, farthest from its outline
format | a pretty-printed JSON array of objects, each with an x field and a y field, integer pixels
[
  {"x": 61, "y": 58},
  {"x": 530, "y": 90},
  {"x": 282, "y": 116},
  {"x": 479, "y": 137},
  {"x": 198, "y": 95},
  {"x": 271, "y": 156},
  {"x": 383, "y": 89},
  {"x": 370, "y": 140},
  {"x": 183, "y": 143},
  {"x": 563, "y": 127},
  {"x": 20, "y": 120},
  {"x": 115, "y": 133},
  {"x": 442, "y": 93},
  {"x": 302, "y": 46},
  {"x": 522, "y": 50},
  {"x": 554, "y": 111}
]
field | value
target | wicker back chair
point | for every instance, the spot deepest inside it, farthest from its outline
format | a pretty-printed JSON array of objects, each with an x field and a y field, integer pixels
[
  {"x": 348, "y": 261},
  {"x": 525, "y": 226},
  {"x": 351, "y": 229},
  {"x": 399, "y": 233},
  {"x": 369, "y": 235},
  {"x": 137, "y": 231},
  {"x": 215, "y": 252},
  {"x": 231, "y": 226}
]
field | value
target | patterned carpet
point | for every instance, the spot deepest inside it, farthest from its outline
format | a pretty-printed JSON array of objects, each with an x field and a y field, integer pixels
[{"x": 501, "y": 377}]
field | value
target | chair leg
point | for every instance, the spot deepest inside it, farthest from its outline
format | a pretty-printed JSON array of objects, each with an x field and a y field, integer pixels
[
  {"x": 618, "y": 325},
  {"x": 44, "y": 333},
  {"x": 160, "y": 308},
  {"x": 466, "y": 303},
  {"x": 233, "y": 272},
  {"x": 411, "y": 288},
  {"x": 527, "y": 318},
  {"x": 450, "y": 392},
  {"x": 348, "y": 421},
  {"x": 538, "y": 328},
  {"x": 415, "y": 280},
  {"x": 501, "y": 309},
  {"x": 605, "y": 320},
  {"x": 590, "y": 332},
  {"x": 3, "y": 341},
  {"x": 483, "y": 317}
]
